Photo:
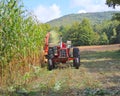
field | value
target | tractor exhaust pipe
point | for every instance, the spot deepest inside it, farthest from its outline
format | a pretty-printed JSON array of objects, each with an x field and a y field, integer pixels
[{"x": 61, "y": 41}]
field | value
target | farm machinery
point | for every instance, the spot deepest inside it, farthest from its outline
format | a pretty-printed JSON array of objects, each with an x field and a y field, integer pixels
[{"x": 60, "y": 53}]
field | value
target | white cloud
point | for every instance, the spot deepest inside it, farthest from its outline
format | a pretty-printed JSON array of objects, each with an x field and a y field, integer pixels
[
  {"x": 92, "y": 5},
  {"x": 45, "y": 13},
  {"x": 81, "y": 11}
]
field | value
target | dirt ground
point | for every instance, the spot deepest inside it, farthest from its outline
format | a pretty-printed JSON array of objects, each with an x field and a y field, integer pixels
[
  {"x": 98, "y": 75},
  {"x": 100, "y": 48}
]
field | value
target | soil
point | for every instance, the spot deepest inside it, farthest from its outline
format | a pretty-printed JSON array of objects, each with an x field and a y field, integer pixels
[{"x": 100, "y": 48}]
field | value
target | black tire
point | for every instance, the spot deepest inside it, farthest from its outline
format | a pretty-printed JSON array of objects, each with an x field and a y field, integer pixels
[
  {"x": 50, "y": 57},
  {"x": 50, "y": 53},
  {"x": 50, "y": 64},
  {"x": 76, "y": 56}
]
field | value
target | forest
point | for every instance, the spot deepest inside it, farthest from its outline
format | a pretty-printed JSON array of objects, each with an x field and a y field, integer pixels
[
  {"x": 84, "y": 33},
  {"x": 94, "y": 17}
]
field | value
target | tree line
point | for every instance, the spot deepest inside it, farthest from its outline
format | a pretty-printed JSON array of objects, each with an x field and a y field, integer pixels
[{"x": 84, "y": 33}]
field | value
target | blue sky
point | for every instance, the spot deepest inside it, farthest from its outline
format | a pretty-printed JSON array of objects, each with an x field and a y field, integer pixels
[{"x": 46, "y": 10}]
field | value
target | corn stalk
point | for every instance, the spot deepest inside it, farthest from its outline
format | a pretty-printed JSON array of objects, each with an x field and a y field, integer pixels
[{"x": 21, "y": 39}]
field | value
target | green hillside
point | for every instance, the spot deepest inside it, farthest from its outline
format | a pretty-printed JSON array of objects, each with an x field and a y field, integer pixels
[{"x": 95, "y": 18}]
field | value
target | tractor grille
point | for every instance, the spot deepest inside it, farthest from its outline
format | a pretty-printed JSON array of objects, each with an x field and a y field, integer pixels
[{"x": 63, "y": 53}]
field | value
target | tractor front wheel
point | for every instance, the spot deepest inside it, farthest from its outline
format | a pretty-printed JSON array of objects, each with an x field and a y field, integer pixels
[
  {"x": 76, "y": 56},
  {"x": 50, "y": 64},
  {"x": 50, "y": 57}
]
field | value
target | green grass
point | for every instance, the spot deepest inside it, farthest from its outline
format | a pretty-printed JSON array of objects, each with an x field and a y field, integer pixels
[{"x": 99, "y": 75}]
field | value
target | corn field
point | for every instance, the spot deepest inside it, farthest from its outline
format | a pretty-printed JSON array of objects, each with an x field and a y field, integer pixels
[{"x": 21, "y": 41}]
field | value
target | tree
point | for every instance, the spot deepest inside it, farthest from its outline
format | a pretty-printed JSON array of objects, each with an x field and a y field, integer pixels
[
  {"x": 109, "y": 27},
  {"x": 63, "y": 30},
  {"x": 81, "y": 34},
  {"x": 116, "y": 16},
  {"x": 72, "y": 34},
  {"x": 118, "y": 34},
  {"x": 86, "y": 33},
  {"x": 113, "y": 3},
  {"x": 103, "y": 39}
]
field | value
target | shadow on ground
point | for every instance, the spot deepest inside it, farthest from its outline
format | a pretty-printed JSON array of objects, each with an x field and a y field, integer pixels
[{"x": 101, "y": 61}]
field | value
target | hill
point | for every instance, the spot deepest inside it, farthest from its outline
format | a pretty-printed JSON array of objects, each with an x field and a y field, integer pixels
[{"x": 95, "y": 18}]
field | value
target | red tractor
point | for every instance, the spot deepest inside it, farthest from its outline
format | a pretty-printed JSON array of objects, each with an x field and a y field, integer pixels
[{"x": 60, "y": 53}]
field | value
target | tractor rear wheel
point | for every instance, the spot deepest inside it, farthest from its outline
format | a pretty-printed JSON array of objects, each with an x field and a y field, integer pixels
[{"x": 76, "y": 56}]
